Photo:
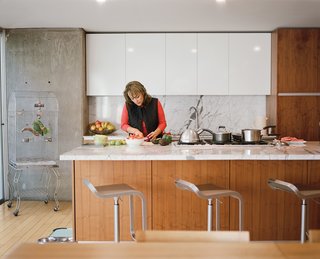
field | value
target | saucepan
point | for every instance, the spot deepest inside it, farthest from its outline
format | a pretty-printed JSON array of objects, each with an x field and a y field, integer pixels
[
  {"x": 251, "y": 135},
  {"x": 222, "y": 136},
  {"x": 270, "y": 130}
]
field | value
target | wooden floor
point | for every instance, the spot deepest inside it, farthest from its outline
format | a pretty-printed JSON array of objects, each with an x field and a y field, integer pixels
[{"x": 35, "y": 220}]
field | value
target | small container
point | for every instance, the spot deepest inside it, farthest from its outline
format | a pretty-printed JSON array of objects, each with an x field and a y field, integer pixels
[{"x": 100, "y": 140}]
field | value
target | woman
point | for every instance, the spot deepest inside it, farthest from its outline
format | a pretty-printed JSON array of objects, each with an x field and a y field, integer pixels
[{"x": 142, "y": 115}]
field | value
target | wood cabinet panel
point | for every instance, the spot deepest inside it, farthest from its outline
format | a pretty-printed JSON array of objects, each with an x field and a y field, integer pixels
[
  {"x": 93, "y": 216},
  {"x": 298, "y": 65},
  {"x": 268, "y": 214},
  {"x": 318, "y": 59},
  {"x": 295, "y": 69},
  {"x": 175, "y": 209},
  {"x": 314, "y": 205},
  {"x": 299, "y": 116}
]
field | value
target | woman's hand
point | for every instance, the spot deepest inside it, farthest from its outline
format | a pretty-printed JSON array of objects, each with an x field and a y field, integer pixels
[
  {"x": 153, "y": 135},
  {"x": 137, "y": 133}
]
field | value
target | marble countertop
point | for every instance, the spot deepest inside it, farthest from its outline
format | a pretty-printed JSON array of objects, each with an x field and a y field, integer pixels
[{"x": 149, "y": 151}]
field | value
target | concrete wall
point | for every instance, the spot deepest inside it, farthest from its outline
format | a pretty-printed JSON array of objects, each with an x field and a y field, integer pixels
[{"x": 51, "y": 60}]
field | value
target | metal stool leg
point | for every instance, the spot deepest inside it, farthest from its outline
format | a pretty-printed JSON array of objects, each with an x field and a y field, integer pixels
[
  {"x": 144, "y": 214},
  {"x": 217, "y": 214},
  {"x": 239, "y": 198},
  {"x": 240, "y": 213},
  {"x": 304, "y": 205},
  {"x": 116, "y": 219},
  {"x": 144, "y": 211},
  {"x": 131, "y": 213},
  {"x": 209, "y": 214}
]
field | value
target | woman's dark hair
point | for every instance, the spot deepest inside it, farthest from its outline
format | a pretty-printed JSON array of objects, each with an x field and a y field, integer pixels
[{"x": 135, "y": 88}]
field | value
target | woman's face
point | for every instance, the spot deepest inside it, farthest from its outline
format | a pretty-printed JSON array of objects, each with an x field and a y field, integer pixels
[{"x": 137, "y": 98}]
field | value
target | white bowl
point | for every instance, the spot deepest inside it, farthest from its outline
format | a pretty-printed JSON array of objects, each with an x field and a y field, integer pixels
[{"x": 136, "y": 142}]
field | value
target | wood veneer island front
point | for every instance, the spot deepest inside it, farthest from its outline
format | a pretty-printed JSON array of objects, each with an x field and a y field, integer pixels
[{"x": 268, "y": 214}]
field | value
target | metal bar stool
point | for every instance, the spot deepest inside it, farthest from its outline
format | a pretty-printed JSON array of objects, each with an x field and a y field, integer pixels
[
  {"x": 115, "y": 191},
  {"x": 304, "y": 192},
  {"x": 210, "y": 192}
]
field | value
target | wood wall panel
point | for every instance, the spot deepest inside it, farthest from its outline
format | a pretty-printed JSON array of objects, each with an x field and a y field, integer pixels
[
  {"x": 314, "y": 205},
  {"x": 175, "y": 209},
  {"x": 299, "y": 116},
  {"x": 94, "y": 216},
  {"x": 297, "y": 60},
  {"x": 295, "y": 69},
  {"x": 269, "y": 214}
]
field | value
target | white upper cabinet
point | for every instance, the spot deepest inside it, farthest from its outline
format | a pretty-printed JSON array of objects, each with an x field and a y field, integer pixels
[
  {"x": 213, "y": 64},
  {"x": 145, "y": 60},
  {"x": 249, "y": 63},
  {"x": 181, "y": 63},
  {"x": 105, "y": 55}
]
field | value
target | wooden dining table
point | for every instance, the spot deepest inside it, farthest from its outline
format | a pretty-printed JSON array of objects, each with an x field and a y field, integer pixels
[{"x": 127, "y": 250}]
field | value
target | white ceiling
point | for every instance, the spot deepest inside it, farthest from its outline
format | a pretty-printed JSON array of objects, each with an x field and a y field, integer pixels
[{"x": 160, "y": 15}]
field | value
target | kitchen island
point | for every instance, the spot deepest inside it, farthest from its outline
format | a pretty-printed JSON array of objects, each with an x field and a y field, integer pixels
[{"x": 152, "y": 169}]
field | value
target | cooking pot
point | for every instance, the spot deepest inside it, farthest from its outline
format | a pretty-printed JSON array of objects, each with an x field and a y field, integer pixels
[
  {"x": 251, "y": 135},
  {"x": 222, "y": 136},
  {"x": 190, "y": 136},
  {"x": 270, "y": 130}
]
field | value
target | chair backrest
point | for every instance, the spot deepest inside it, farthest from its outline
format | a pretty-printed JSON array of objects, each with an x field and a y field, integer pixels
[
  {"x": 192, "y": 236},
  {"x": 314, "y": 235},
  {"x": 185, "y": 185}
]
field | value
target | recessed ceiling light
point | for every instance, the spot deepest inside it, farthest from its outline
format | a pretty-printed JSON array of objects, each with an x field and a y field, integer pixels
[
  {"x": 101, "y": 1},
  {"x": 220, "y": 1},
  {"x": 256, "y": 48}
]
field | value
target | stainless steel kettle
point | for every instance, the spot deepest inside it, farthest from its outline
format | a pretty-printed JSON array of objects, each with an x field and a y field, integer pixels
[{"x": 190, "y": 136}]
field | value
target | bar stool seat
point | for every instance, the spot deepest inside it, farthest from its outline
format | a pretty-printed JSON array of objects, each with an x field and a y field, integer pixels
[
  {"x": 210, "y": 192},
  {"x": 304, "y": 192},
  {"x": 116, "y": 191}
]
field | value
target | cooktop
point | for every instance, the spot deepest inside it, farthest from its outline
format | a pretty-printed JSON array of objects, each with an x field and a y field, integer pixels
[{"x": 210, "y": 142}]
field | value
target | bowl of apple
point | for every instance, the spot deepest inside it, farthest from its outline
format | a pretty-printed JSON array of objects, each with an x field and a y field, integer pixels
[{"x": 101, "y": 127}]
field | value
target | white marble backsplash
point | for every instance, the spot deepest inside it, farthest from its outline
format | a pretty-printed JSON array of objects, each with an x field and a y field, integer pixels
[{"x": 233, "y": 112}]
